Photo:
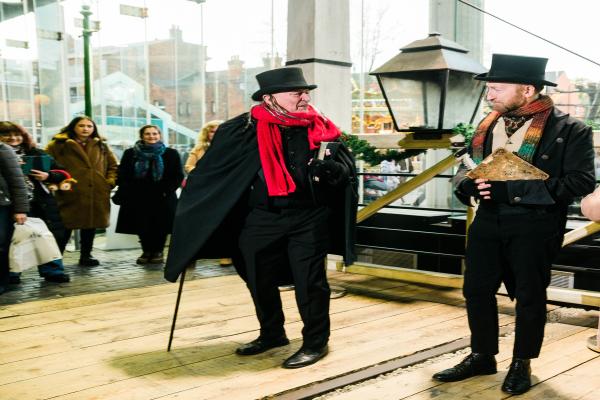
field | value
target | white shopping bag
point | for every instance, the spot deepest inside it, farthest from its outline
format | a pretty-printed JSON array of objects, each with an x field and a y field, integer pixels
[{"x": 32, "y": 244}]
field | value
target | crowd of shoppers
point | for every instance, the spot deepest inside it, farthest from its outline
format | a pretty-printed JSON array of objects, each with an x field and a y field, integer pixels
[{"x": 71, "y": 189}]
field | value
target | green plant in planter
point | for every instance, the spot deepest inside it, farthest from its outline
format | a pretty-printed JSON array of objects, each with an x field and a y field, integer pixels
[
  {"x": 467, "y": 130},
  {"x": 363, "y": 150}
]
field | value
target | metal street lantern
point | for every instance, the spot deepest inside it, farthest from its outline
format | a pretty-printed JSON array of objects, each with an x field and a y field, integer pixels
[{"x": 429, "y": 87}]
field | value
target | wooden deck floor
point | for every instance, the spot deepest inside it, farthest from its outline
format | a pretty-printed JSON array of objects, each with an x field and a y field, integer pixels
[{"x": 113, "y": 345}]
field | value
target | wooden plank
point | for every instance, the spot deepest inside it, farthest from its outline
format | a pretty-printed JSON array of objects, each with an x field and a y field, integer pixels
[
  {"x": 554, "y": 360},
  {"x": 213, "y": 378},
  {"x": 111, "y": 322},
  {"x": 416, "y": 382},
  {"x": 36, "y": 307},
  {"x": 5, "y": 313},
  {"x": 564, "y": 295},
  {"x": 129, "y": 361},
  {"x": 55, "y": 380},
  {"x": 407, "y": 275},
  {"x": 100, "y": 375},
  {"x": 227, "y": 315}
]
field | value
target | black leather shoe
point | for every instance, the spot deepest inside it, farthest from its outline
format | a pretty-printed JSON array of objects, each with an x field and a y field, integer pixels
[
  {"x": 474, "y": 364},
  {"x": 518, "y": 379},
  {"x": 259, "y": 345},
  {"x": 304, "y": 357},
  {"x": 156, "y": 258},
  {"x": 62, "y": 278},
  {"x": 88, "y": 261},
  {"x": 143, "y": 259}
]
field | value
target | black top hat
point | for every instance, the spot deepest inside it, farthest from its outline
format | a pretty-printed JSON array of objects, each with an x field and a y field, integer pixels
[
  {"x": 508, "y": 68},
  {"x": 280, "y": 80}
]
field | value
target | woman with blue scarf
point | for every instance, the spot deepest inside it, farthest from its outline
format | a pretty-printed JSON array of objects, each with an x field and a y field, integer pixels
[{"x": 149, "y": 175}]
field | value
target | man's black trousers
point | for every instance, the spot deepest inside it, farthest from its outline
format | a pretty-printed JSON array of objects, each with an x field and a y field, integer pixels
[
  {"x": 519, "y": 250},
  {"x": 271, "y": 240}
]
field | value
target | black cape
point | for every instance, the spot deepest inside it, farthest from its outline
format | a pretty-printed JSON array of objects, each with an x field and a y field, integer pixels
[{"x": 213, "y": 203}]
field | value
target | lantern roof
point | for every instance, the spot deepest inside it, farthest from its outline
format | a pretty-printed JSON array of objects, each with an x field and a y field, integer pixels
[{"x": 431, "y": 53}]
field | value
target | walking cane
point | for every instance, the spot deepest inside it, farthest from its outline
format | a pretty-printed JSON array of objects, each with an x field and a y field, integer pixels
[{"x": 181, "y": 280}]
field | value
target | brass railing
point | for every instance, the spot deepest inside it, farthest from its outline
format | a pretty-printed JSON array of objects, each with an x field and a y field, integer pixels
[{"x": 406, "y": 187}]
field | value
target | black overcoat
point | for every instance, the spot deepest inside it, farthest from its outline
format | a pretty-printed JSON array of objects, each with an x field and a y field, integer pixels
[
  {"x": 213, "y": 204},
  {"x": 566, "y": 153},
  {"x": 147, "y": 205},
  {"x": 44, "y": 205}
]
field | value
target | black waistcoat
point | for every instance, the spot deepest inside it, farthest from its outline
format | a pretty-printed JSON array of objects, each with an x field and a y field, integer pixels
[{"x": 297, "y": 154}]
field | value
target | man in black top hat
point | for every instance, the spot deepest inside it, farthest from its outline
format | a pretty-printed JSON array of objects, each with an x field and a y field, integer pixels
[
  {"x": 519, "y": 225},
  {"x": 262, "y": 196}
]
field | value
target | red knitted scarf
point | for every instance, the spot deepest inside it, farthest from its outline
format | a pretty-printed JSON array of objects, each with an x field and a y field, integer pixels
[
  {"x": 539, "y": 110},
  {"x": 320, "y": 129}
]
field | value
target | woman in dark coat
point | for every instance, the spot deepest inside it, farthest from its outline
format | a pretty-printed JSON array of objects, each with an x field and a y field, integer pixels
[
  {"x": 149, "y": 175},
  {"x": 42, "y": 202}
]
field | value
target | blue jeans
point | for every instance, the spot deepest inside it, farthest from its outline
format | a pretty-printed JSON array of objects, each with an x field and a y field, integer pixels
[{"x": 51, "y": 268}]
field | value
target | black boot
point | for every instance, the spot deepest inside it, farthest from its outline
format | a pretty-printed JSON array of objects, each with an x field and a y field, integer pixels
[
  {"x": 518, "y": 379},
  {"x": 85, "y": 253},
  {"x": 156, "y": 258},
  {"x": 88, "y": 261},
  {"x": 474, "y": 364},
  {"x": 143, "y": 259},
  {"x": 60, "y": 278}
]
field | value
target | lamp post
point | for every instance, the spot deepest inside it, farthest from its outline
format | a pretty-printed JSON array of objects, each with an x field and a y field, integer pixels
[
  {"x": 202, "y": 64},
  {"x": 87, "y": 76},
  {"x": 429, "y": 87}
]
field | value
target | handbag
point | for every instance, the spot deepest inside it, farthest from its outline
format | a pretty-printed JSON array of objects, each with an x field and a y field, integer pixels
[
  {"x": 118, "y": 197},
  {"x": 32, "y": 244}
]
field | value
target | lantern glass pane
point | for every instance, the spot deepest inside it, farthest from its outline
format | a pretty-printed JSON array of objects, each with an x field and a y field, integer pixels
[
  {"x": 414, "y": 99},
  {"x": 461, "y": 98}
]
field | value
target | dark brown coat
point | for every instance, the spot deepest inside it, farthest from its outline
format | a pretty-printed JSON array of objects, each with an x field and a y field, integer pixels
[{"x": 95, "y": 169}]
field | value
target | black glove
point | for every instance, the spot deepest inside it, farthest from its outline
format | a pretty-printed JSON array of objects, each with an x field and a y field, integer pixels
[
  {"x": 469, "y": 187},
  {"x": 330, "y": 171},
  {"x": 498, "y": 192}
]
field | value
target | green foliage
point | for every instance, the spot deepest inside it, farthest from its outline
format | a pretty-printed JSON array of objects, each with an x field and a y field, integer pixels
[
  {"x": 363, "y": 150},
  {"x": 595, "y": 125},
  {"x": 467, "y": 130}
]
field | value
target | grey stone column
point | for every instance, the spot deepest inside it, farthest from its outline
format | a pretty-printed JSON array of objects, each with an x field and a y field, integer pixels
[
  {"x": 318, "y": 41},
  {"x": 459, "y": 23},
  {"x": 463, "y": 25}
]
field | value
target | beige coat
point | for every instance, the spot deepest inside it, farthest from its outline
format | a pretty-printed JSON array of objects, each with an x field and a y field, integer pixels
[
  {"x": 194, "y": 156},
  {"x": 95, "y": 169}
]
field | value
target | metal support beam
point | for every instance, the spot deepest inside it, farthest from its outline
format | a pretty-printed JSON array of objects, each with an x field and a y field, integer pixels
[
  {"x": 588, "y": 229},
  {"x": 563, "y": 295}
]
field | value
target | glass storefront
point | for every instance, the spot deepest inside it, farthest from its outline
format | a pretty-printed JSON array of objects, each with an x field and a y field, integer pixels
[{"x": 176, "y": 64}]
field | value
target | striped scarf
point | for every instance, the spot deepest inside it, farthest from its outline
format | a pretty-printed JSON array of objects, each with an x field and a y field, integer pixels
[{"x": 539, "y": 109}]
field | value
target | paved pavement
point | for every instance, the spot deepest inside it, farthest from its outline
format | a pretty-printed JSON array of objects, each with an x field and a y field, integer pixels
[{"x": 117, "y": 270}]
